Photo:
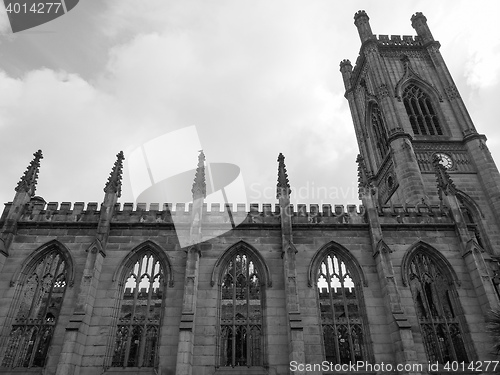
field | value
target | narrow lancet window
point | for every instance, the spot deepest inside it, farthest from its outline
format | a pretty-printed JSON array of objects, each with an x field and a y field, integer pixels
[
  {"x": 341, "y": 321},
  {"x": 39, "y": 307},
  {"x": 421, "y": 113},
  {"x": 436, "y": 308},
  {"x": 139, "y": 321},
  {"x": 240, "y": 337},
  {"x": 379, "y": 131}
]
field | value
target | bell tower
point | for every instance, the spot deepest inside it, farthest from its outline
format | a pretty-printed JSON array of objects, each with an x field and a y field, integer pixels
[{"x": 406, "y": 110}]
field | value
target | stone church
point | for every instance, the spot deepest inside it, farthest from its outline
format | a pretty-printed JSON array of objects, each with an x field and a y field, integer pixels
[{"x": 404, "y": 281}]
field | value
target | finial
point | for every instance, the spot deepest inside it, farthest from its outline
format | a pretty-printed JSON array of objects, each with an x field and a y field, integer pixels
[
  {"x": 27, "y": 183},
  {"x": 114, "y": 184},
  {"x": 283, "y": 186},
  {"x": 364, "y": 176},
  {"x": 199, "y": 189},
  {"x": 444, "y": 182}
]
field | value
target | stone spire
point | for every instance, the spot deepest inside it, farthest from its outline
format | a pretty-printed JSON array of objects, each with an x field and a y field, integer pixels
[
  {"x": 27, "y": 183},
  {"x": 444, "y": 182},
  {"x": 283, "y": 186},
  {"x": 114, "y": 184},
  {"x": 199, "y": 189}
]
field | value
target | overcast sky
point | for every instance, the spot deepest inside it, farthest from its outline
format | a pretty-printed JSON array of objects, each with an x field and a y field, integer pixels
[{"x": 255, "y": 78}]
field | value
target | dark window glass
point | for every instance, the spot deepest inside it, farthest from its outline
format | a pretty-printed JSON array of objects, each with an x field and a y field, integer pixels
[
  {"x": 423, "y": 118},
  {"x": 379, "y": 131}
]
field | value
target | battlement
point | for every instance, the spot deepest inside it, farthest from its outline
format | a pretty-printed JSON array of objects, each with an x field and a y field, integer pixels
[
  {"x": 39, "y": 211},
  {"x": 399, "y": 41},
  {"x": 253, "y": 213},
  {"x": 414, "y": 214}
]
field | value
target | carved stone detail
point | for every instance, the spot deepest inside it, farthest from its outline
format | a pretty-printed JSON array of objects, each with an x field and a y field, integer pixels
[
  {"x": 452, "y": 92},
  {"x": 382, "y": 91}
]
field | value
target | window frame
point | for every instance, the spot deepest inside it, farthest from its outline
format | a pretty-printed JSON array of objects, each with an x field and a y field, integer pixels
[
  {"x": 359, "y": 280},
  {"x": 451, "y": 280},
  {"x": 19, "y": 282},
  {"x": 424, "y": 124},
  {"x": 122, "y": 273},
  {"x": 241, "y": 248}
]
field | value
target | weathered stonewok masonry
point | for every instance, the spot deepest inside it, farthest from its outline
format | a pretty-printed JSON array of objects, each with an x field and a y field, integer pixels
[{"x": 406, "y": 278}]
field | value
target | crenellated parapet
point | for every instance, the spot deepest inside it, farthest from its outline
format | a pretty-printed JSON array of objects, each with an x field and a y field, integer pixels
[
  {"x": 216, "y": 213},
  {"x": 254, "y": 213},
  {"x": 399, "y": 41},
  {"x": 414, "y": 214}
]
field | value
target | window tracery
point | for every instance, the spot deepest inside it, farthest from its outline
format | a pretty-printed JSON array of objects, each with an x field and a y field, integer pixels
[
  {"x": 140, "y": 314},
  {"x": 340, "y": 309},
  {"x": 436, "y": 311},
  {"x": 421, "y": 113},
  {"x": 240, "y": 330},
  {"x": 39, "y": 307}
]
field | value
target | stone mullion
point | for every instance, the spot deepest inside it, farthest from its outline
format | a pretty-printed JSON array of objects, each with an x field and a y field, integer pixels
[
  {"x": 332, "y": 311},
  {"x": 425, "y": 301},
  {"x": 142, "y": 347}
]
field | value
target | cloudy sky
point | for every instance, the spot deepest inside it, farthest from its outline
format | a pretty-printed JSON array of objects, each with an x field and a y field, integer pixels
[{"x": 255, "y": 78}]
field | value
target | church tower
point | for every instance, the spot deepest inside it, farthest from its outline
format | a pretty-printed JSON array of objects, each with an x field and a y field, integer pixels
[{"x": 406, "y": 111}]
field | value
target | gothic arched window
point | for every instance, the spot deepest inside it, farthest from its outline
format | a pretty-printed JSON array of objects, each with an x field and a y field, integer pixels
[
  {"x": 140, "y": 313},
  {"x": 379, "y": 130},
  {"x": 341, "y": 312},
  {"x": 437, "y": 310},
  {"x": 240, "y": 331},
  {"x": 423, "y": 117},
  {"x": 40, "y": 303}
]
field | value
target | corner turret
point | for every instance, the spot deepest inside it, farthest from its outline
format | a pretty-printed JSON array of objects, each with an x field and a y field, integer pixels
[
  {"x": 346, "y": 70},
  {"x": 361, "y": 20},
  {"x": 419, "y": 23}
]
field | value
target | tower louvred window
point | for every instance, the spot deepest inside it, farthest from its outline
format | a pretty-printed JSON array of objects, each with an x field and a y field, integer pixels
[
  {"x": 421, "y": 113},
  {"x": 379, "y": 130}
]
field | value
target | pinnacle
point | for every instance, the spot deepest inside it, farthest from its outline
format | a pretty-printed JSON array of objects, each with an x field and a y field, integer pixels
[
  {"x": 28, "y": 181},
  {"x": 114, "y": 184},
  {"x": 199, "y": 189},
  {"x": 283, "y": 186}
]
